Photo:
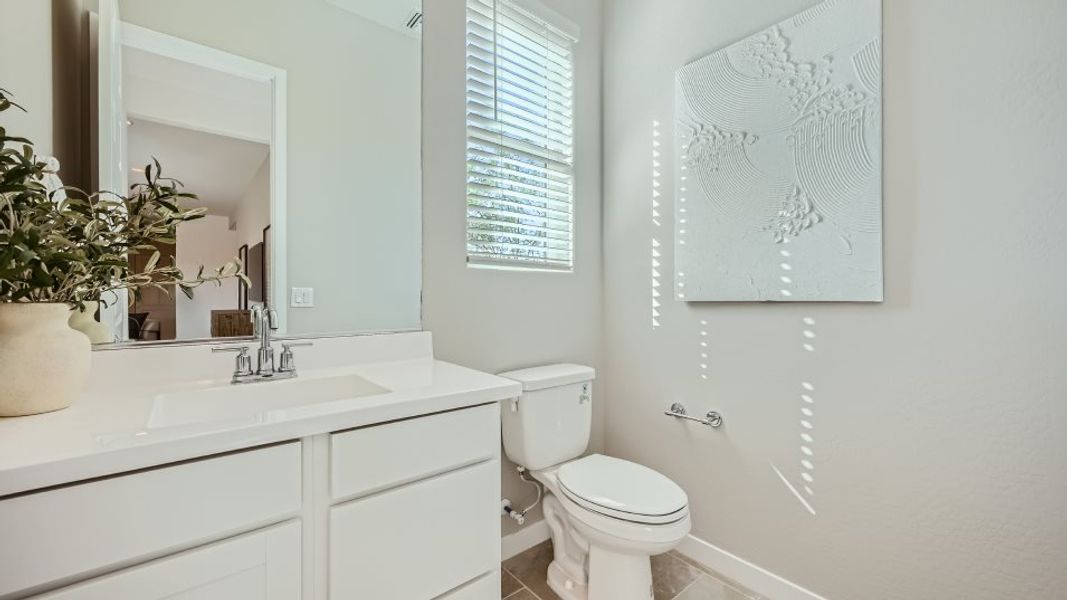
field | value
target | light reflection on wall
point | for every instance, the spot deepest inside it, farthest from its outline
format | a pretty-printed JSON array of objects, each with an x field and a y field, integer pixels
[
  {"x": 656, "y": 225},
  {"x": 806, "y": 468},
  {"x": 806, "y": 393},
  {"x": 703, "y": 349},
  {"x": 682, "y": 218}
]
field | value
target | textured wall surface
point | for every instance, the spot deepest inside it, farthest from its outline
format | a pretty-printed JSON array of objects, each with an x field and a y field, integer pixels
[
  {"x": 779, "y": 177},
  {"x": 938, "y": 419},
  {"x": 498, "y": 320}
]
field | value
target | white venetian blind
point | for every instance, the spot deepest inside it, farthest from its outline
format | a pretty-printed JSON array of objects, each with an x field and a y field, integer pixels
[{"x": 520, "y": 197}]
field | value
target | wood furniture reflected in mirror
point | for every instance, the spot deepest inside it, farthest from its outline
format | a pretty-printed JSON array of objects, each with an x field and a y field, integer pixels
[
  {"x": 266, "y": 268},
  {"x": 231, "y": 323},
  {"x": 242, "y": 291},
  {"x": 153, "y": 313},
  {"x": 254, "y": 271}
]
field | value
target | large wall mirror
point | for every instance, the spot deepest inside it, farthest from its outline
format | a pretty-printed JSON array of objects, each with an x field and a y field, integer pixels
[{"x": 297, "y": 125}]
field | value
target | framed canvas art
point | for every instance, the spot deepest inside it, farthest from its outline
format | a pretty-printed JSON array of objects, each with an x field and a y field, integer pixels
[{"x": 779, "y": 162}]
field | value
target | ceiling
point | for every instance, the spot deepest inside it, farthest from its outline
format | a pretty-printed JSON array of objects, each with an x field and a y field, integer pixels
[
  {"x": 393, "y": 14},
  {"x": 167, "y": 90},
  {"x": 216, "y": 168}
]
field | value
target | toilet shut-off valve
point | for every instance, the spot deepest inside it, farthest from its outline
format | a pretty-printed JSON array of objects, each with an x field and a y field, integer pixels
[
  {"x": 505, "y": 508},
  {"x": 520, "y": 515}
]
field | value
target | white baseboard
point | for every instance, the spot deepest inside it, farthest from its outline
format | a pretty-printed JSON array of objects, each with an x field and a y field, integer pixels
[
  {"x": 529, "y": 536},
  {"x": 752, "y": 576}
]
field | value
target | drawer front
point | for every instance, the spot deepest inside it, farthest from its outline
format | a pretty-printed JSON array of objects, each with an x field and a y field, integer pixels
[
  {"x": 375, "y": 458},
  {"x": 68, "y": 533},
  {"x": 486, "y": 587},
  {"x": 264, "y": 565},
  {"x": 419, "y": 541}
]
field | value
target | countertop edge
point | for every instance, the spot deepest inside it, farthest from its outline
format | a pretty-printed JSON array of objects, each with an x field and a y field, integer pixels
[{"x": 71, "y": 470}]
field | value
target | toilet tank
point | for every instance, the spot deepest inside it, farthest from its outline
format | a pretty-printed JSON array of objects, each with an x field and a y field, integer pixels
[{"x": 550, "y": 422}]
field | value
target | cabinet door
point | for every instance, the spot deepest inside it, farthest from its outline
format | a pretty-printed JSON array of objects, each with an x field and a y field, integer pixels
[
  {"x": 264, "y": 565},
  {"x": 418, "y": 541}
]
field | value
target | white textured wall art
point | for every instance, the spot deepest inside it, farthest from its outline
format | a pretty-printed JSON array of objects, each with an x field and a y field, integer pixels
[{"x": 779, "y": 170}]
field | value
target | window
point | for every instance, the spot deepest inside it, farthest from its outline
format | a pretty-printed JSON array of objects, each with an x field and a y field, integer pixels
[{"x": 520, "y": 189}]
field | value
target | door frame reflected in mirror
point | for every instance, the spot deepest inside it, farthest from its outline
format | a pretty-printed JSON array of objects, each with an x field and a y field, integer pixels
[{"x": 113, "y": 165}]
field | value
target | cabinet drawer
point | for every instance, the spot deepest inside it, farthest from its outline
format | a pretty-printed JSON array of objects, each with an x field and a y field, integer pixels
[
  {"x": 264, "y": 565},
  {"x": 486, "y": 587},
  {"x": 376, "y": 458},
  {"x": 418, "y": 541},
  {"x": 67, "y": 533}
]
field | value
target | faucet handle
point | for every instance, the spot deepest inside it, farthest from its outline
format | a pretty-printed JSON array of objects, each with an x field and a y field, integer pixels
[
  {"x": 242, "y": 364},
  {"x": 287, "y": 364}
]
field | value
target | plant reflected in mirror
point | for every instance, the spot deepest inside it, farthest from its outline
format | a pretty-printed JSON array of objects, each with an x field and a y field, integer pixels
[{"x": 68, "y": 246}]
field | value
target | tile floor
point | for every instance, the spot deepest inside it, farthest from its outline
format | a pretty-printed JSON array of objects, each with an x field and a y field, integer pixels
[{"x": 674, "y": 577}]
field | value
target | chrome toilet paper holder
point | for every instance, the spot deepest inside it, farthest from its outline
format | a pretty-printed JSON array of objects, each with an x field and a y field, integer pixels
[{"x": 711, "y": 419}]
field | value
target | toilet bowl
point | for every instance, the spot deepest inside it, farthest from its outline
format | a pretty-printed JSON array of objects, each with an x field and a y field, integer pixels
[{"x": 607, "y": 516}]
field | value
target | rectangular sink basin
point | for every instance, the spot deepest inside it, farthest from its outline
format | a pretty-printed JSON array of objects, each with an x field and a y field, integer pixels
[{"x": 254, "y": 401}]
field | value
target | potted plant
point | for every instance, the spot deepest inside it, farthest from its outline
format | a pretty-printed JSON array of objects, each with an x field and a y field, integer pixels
[{"x": 65, "y": 251}]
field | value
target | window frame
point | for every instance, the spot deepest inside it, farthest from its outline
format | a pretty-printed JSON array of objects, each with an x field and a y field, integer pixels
[{"x": 553, "y": 24}]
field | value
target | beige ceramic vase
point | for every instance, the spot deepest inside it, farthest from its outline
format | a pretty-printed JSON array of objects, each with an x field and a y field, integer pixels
[
  {"x": 84, "y": 320},
  {"x": 43, "y": 362}
]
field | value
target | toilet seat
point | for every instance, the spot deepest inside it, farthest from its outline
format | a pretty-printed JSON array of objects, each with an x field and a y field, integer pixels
[{"x": 622, "y": 490}]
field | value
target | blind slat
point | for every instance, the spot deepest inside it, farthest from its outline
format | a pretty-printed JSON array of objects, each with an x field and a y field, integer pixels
[
  {"x": 494, "y": 234},
  {"x": 526, "y": 150},
  {"x": 480, "y": 214},
  {"x": 541, "y": 39},
  {"x": 518, "y": 262},
  {"x": 513, "y": 181},
  {"x": 521, "y": 207},
  {"x": 518, "y": 110},
  {"x": 523, "y": 177},
  {"x": 558, "y": 178},
  {"x": 503, "y": 126}
]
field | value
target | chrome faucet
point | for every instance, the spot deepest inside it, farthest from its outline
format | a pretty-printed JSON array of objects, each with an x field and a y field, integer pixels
[{"x": 264, "y": 321}]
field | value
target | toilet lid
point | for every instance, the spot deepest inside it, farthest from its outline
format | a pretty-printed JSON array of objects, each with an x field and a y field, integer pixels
[{"x": 622, "y": 489}]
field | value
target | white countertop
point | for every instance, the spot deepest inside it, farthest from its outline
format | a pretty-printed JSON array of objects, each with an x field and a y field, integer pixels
[{"x": 108, "y": 431}]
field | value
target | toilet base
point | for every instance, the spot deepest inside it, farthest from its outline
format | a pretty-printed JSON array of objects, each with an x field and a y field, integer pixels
[
  {"x": 589, "y": 571},
  {"x": 613, "y": 576},
  {"x": 564, "y": 586},
  {"x": 617, "y": 576}
]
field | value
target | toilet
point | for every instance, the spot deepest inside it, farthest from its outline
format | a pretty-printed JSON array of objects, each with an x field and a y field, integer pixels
[{"x": 607, "y": 516}]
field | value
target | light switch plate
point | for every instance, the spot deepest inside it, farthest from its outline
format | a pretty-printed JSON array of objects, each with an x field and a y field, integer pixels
[{"x": 302, "y": 298}]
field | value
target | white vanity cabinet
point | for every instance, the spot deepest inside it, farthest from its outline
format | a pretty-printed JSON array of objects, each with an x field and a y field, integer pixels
[
  {"x": 405, "y": 510},
  {"x": 406, "y": 541}
]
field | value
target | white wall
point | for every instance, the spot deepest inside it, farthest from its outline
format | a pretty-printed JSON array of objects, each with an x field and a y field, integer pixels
[
  {"x": 939, "y": 416},
  {"x": 491, "y": 319},
  {"x": 27, "y": 75},
  {"x": 253, "y": 211},
  {"x": 208, "y": 242},
  {"x": 353, "y": 165}
]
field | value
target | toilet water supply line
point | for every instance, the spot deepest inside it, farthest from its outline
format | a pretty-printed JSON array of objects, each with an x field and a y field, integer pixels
[{"x": 520, "y": 515}]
